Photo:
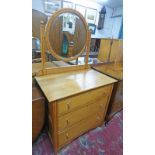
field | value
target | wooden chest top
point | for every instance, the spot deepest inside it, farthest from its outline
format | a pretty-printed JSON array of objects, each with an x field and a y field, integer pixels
[{"x": 58, "y": 86}]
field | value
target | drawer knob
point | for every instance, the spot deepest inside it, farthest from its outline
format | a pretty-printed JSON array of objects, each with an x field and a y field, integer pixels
[
  {"x": 67, "y": 121},
  {"x": 67, "y": 136},
  {"x": 68, "y": 106}
]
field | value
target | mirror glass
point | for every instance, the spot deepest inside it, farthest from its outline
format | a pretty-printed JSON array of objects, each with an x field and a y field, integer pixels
[{"x": 67, "y": 35}]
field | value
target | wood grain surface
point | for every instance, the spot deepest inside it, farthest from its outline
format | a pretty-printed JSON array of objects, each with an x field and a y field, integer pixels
[{"x": 58, "y": 86}]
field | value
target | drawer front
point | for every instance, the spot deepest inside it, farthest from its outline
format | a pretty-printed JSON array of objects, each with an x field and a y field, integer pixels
[
  {"x": 82, "y": 113},
  {"x": 79, "y": 129},
  {"x": 71, "y": 103}
]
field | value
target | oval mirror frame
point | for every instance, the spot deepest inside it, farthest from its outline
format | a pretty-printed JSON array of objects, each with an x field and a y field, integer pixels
[{"x": 52, "y": 18}]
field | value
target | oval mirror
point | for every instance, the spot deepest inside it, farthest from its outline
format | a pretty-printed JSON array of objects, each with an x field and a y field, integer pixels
[{"x": 66, "y": 34}]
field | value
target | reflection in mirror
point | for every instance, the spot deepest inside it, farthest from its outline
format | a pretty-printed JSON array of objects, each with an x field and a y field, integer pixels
[{"x": 67, "y": 35}]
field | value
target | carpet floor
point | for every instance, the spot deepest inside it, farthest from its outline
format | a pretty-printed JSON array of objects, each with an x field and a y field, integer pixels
[{"x": 104, "y": 140}]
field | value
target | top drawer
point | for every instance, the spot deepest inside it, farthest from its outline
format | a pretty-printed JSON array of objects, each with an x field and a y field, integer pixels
[{"x": 69, "y": 104}]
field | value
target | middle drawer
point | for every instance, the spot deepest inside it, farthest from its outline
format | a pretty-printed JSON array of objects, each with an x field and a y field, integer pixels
[{"x": 82, "y": 113}]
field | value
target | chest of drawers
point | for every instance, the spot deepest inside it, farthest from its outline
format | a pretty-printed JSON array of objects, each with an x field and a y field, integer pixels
[
  {"x": 114, "y": 70},
  {"x": 77, "y": 102}
]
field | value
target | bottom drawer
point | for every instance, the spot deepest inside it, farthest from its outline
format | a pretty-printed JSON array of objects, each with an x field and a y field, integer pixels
[{"x": 80, "y": 128}]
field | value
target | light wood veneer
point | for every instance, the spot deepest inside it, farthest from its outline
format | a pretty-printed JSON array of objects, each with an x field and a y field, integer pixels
[
  {"x": 85, "y": 125},
  {"x": 37, "y": 67},
  {"x": 77, "y": 102},
  {"x": 58, "y": 86}
]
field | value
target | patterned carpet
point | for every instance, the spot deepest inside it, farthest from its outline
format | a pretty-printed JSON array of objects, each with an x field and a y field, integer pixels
[{"x": 105, "y": 140}]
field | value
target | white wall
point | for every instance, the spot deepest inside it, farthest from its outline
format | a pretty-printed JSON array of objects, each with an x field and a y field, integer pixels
[
  {"x": 117, "y": 21},
  {"x": 38, "y": 5},
  {"x": 111, "y": 25},
  {"x": 106, "y": 31}
]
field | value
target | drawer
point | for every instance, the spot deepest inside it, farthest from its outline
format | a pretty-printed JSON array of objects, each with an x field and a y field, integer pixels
[
  {"x": 82, "y": 113},
  {"x": 79, "y": 129},
  {"x": 68, "y": 104}
]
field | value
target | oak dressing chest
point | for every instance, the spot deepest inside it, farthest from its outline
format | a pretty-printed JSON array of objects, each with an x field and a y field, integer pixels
[{"x": 78, "y": 96}]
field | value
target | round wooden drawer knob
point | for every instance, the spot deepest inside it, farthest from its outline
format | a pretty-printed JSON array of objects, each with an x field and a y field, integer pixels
[
  {"x": 68, "y": 106},
  {"x": 67, "y": 136},
  {"x": 67, "y": 122}
]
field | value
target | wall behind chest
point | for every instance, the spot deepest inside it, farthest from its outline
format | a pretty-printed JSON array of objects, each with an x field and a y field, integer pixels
[
  {"x": 38, "y": 5},
  {"x": 112, "y": 24},
  {"x": 117, "y": 21}
]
